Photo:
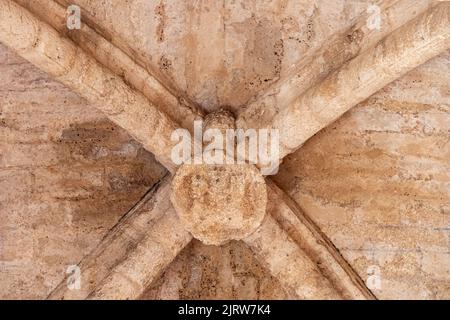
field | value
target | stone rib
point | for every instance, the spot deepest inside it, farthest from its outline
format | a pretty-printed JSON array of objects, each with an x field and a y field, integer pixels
[
  {"x": 307, "y": 235},
  {"x": 177, "y": 107},
  {"x": 43, "y": 46},
  {"x": 403, "y": 50},
  {"x": 133, "y": 253},
  {"x": 337, "y": 50},
  {"x": 288, "y": 263}
]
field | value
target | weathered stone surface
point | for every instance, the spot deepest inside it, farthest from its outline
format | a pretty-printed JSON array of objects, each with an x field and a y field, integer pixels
[
  {"x": 311, "y": 241},
  {"x": 133, "y": 254},
  {"x": 218, "y": 203},
  {"x": 375, "y": 181},
  {"x": 67, "y": 175},
  {"x": 58, "y": 208},
  {"x": 229, "y": 271},
  {"x": 53, "y": 53},
  {"x": 338, "y": 49},
  {"x": 404, "y": 49},
  {"x": 159, "y": 91},
  {"x": 162, "y": 239},
  {"x": 220, "y": 53},
  {"x": 221, "y": 119}
]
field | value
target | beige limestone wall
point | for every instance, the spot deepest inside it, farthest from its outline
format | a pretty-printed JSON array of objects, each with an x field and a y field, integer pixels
[
  {"x": 67, "y": 174},
  {"x": 377, "y": 182},
  {"x": 210, "y": 272},
  {"x": 220, "y": 52}
]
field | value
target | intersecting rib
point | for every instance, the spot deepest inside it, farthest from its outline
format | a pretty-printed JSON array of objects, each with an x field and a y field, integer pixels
[
  {"x": 288, "y": 263},
  {"x": 177, "y": 106},
  {"x": 336, "y": 51},
  {"x": 302, "y": 258},
  {"x": 311, "y": 240},
  {"x": 133, "y": 253},
  {"x": 403, "y": 50},
  {"x": 43, "y": 46},
  {"x": 132, "y": 266}
]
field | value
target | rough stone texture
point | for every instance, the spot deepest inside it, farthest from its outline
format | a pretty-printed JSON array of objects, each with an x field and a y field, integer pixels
[
  {"x": 377, "y": 183},
  {"x": 173, "y": 102},
  {"x": 292, "y": 266},
  {"x": 310, "y": 240},
  {"x": 53, "y": 53},
  {"x": 404, "y": 49},
  {"x": 67, "y": 174},
  {"x": 134, "y": 253},
  {"x": 221, "y": 119},
  {"x": 211, "y": 272},
  {"x": 162, "y": 240},
  {"x": 218, "y": 203},
  {"x": 338, "y": 49},
  {"x": 220, "y": 52}
]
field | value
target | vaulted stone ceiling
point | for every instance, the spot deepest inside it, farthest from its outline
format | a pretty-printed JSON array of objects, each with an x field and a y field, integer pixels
[{"x": 375, "y": 182}]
